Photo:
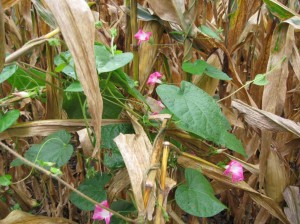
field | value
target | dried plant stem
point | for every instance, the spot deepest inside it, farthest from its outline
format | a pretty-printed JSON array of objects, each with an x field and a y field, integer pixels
[
  {"x": 29, "y": 45},
  {"x": 127, "y": 35},
  {"x": 157, "y": 146},
  {"x": 164, "y": 163},
  {"x": 2, "y": 38},
  {"x": 175, "y": 217},
  {"x": 48, "y": 173},
  {"x": 196, "y": 158},
  {"x": 133, "y": 19}
]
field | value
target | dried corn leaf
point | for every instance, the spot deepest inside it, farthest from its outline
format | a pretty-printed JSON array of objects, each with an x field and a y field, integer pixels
[
  {"x": 2, "y": 38},
  {"x": 238, "y": 19},
  {"x": 275, "y": 92},
  {"x": 217, "y": 174},
  {"x": 118, "y": 183},
  {"x": 76, "y": 23},
  {"x": 265, "y": 120},
  {"x": 277, "y": 177},
  {"x": 20, "y": 217},
  {"x": 85, "y": 142},
  {"x": 148, "y": 52},
  {"x": 274, "y": 176},
  {"x": 44, "y": 13},
  {"x": 9, "y": 3},
  {"x": 46, "y": 127},
  {"x": 136, "y": 153},
  {"x": 292, "y": 197},
  {"x": 169, "y": 10}
]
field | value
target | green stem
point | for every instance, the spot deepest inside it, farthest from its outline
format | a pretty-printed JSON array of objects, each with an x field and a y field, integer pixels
[{"x": 249, "y": 82}]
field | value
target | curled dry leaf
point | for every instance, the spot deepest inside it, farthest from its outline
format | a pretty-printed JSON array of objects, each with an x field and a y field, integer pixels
[
  {"x": 119, "y": 182},
  {"x": 9, "y": 3},
  {"x": 169, "y": 10},
  {"x": 47, "y": 127},
  {"x": 292, "y": 197},
  {"x": 136, "y": 153},
  {"x": 76, "y": 22},
  {"x": 18, "y": 216},
  {"x": 85, "y": 142},
  {"x": 265, "y": 120},
  {"x": 2, "y": 38}
]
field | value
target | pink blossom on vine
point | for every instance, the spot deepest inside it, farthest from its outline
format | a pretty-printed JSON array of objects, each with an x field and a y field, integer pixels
[
  {"x": 142, "y": 36},
  {"x": 236, "y": 170},
  {"x": 154, "y": 78},
  {"x": 102, "y": 214}
]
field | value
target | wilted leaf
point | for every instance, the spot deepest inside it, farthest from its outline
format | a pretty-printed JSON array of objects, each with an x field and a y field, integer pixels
[
  {"x": 47, "y": 127},
  {"x": 292, "y": 197},
  {"x": 266, "y": 120},
  {"x": 78, "y": 29},
  {"x": 196, "y": 197},
  {"x": 2, "y": 37},
  {"x": 18, "y": 216},
  {"x": 9, "y": 3},
  {"x": 136, "y": 153},
  {"x": 169, "y": 10}
]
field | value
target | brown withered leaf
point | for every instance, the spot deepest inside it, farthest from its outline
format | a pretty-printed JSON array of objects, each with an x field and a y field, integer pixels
[
  {"x": 2, "y": 38},
  {"x": 85, "y": 142},
  {"x": 20, "y": 217},
  {"x": 46, "y": 127},
  {"x": 265, "y": 120},
  {"x": 136, "y": 152},
  {"x": 119, "y": 182},
  {"x": 76, "y": 23},
  {"x": 292, "y": 197},
  {"x": 238, "y": 19},
  {"x": 274, "y": 94},
  {"x": 9, "y": 3},
  {"x": 169, "y": 10},
  {"x": 148, "y": 52}
]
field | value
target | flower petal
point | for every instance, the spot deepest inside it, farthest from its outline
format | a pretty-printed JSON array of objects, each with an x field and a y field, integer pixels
[{"x": 236, "y": 170}]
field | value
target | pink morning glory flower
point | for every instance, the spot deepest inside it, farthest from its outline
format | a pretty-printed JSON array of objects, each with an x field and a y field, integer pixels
[
  {"x": 100, "y": 213},
  {"x": 142, "y": 36},
  {"x": 22, "y": 94},
  {"x": 154, "y": 78},
  {"x": 236, "y": 170}
]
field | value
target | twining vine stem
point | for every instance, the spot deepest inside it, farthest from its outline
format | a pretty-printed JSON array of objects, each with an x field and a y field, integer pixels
[{"x": 48, "y": 173}]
